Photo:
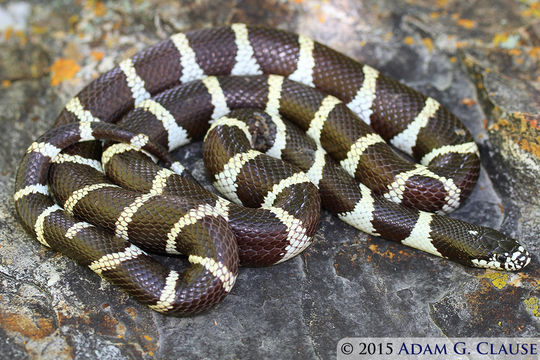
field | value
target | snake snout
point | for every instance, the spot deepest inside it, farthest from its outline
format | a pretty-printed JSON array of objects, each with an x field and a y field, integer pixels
[{"x": 507, "y": 253}]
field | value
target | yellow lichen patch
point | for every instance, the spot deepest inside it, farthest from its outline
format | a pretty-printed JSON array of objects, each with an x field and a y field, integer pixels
[
  {"x": 453, "y": 59},
  {"x": 533, "y": 10},
  {"x": 8, "y": 33},
  {"x": 441, "y": 3},
  {"x": 428, "y": 43},
  {"x": 63, "y": 69},
  {"x": 533, "y": 305},
  {"x": 6, "y": 83},
  {"x": 408, "y": 40},
  {"x": 38, "y": 30},
  {"x": 466, "y": 23},
  {"x": 499, "y": 38},
  {"x": 496, "y": 278},
  {"x": 434, "y": 15}
]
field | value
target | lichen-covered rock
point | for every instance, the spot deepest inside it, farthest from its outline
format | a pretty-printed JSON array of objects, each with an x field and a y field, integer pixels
[{"x": 346, "y": 283}]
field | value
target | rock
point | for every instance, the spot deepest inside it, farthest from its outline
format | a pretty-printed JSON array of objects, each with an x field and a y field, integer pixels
[{"x": 346, "y": 283}]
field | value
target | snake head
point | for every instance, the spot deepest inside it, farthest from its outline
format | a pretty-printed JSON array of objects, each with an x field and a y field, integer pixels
[{"x": 505, "y": 253}]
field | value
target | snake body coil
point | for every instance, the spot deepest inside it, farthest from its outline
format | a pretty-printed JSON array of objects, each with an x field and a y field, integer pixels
[{"x": 117, "y": 204}]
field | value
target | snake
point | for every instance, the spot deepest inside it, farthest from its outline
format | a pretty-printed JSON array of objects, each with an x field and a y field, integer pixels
[{"x": 288, "y": 123}]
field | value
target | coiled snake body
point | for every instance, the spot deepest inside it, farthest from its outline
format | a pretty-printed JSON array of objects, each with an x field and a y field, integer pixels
[{"x": 116, "y": 204}]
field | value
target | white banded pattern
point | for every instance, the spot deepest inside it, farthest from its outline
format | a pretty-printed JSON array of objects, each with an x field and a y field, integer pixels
[
  {"x": 85, "y": 131},
  {"x": 363, "y": 100},
  {"x": 217, "y": 269},
  {"x": 465, "y": 148},
  {"x": 225, "y": 181},
  {"x": 315, "y": 172},
  {"x": 232, "y": 122},
  {"x": 190, "y": 218},
  {"x": 31, "y": 189},
  {"x": 245, "y": 62},
  {"x": 218, "y": 98},
  {"x": 420, "y": 237},
  {"x": 306, "y": 61},
  {"x": 111, "y": 261},
  {"x": 75, "y": 107},
  {"x": 178, "y": 168},
  {"x": 134, "y": 82},
  {"x": 168, "y": 293},
  {"x": 397, "y": 187},
  {"x": 190, "y": 68},
  {"x": 361, "y": 216},
  {"x": 124, "y": 219},
  {"x": 320, "y": 117},
  {"x": 75, "y": 228},
  {"x": 176, "y": 135},
  {"x": 297, "y": 178},
  {"x": 350, "y": 163},
  {"x": 406, "y": 139},
  {"x": 275, "y": 85},
  {"x": 77, "y": 195},
  {"x": 120, "y": 148},
  {"x": 77, "y": 159},
  {"x": 44, "y": 149},
  {"x": 38, "y": 226},
  {"x": 296, "y": 233}
]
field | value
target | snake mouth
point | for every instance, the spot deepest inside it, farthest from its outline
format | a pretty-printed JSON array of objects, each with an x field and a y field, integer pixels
[{"x": 509, "y": 261}]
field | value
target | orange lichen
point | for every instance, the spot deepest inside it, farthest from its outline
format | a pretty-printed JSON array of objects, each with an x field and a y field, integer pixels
[
  {"x": 96, "y": 55},
  {"x": 6, "y": 83},
  {"x": 408, "y": 40},
  {"x": 466, "y": 23},
  {"x": 434, "y": 15},
  {"x": 27, "y": 327},
  {"x": 99, "y": 8},
  {"x": 63, "y": 69},
  {"x": 468, "y": 102}
]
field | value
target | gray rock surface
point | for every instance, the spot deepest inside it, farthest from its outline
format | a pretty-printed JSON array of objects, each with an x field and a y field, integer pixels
[{"x": 346, "y": 283}]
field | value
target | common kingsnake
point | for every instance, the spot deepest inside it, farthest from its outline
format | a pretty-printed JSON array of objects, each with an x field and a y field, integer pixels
[{"x": 116, "y": 203}]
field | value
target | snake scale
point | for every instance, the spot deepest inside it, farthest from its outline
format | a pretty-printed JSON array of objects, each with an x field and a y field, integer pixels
[{"x": 257, "y": 95}]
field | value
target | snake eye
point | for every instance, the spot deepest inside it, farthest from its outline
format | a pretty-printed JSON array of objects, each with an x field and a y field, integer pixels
[{"x": 501, "y": 258}]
